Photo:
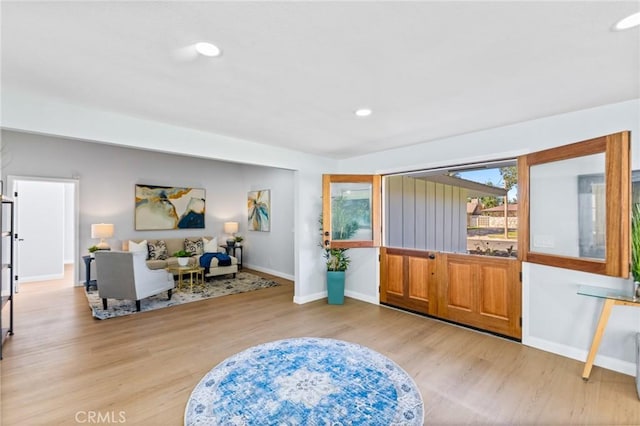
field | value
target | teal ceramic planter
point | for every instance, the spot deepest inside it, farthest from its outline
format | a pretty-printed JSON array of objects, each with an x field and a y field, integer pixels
[{"x": 335, "y": 287}]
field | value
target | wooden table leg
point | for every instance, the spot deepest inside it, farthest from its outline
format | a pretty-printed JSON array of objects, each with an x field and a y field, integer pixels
[{"x": 597, "y": 337}]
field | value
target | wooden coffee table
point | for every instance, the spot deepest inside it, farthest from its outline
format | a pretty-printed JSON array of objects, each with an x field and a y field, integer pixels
[{"x": 196, "y": 274}]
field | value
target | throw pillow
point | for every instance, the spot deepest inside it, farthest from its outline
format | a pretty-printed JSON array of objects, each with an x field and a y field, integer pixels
[
  {"x": 195, "y": 247},
  {"x": 141, "y": 246},
  {"x": 210, "y": 246},
  {"x": 158, "y": 250}
]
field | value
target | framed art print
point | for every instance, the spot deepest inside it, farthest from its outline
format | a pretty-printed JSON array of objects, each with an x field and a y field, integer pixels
[
  {"x": 169, "y": 207},
  {"x": 259, "y": 210}
]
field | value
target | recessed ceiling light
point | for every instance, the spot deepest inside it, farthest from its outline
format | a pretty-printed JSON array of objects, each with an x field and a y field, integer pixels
[
  {"x": 207, "y": 49},
  {"x": 363, "y": 112},
  {"x": 628, "y": 22}
]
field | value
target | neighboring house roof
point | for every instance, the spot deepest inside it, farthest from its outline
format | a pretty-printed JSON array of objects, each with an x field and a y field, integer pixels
[
  {"x": 474, "y": 189},
  {"x": 511, "y": 208}
]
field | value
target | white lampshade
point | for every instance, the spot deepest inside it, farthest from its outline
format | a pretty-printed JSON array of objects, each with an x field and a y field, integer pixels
[
  {"x": 102, "y": 231},
  {"x": 231, "y": 227}
]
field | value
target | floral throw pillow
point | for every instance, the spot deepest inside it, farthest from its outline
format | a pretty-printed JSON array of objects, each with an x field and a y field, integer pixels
[
  {"x": 158, "y": 250},
  {"x": 195, "y": 247}
]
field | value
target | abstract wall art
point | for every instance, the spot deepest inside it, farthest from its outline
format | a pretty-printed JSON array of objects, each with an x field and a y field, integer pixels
[
  {"x": 168, "y": 207},
  {"x": 259, "y": 210}
]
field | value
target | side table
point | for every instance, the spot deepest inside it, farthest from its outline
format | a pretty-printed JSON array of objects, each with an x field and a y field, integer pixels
[
  {"x": 231, "y": 251},
  {"x": 88, "y": 282},
  {"x": 612, "y": 297},
  {"x": 181, "y": 271}
]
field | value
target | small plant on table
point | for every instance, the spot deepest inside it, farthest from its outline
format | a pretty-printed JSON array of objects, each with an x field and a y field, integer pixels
[{"x": 183, "y": 257}]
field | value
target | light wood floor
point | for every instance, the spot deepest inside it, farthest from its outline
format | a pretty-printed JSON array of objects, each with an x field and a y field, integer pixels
[{"x": 62, "y": 365}]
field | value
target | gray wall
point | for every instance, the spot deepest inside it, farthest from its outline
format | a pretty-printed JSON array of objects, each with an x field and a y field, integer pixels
[
  {"x": 425, "y": 215},
  {"x": 280, "y": 259},
  {"x": 108, "y": 175}
]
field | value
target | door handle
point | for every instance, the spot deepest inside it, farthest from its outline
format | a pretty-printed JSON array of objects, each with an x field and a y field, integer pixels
[{"x": 432, "y": 256}]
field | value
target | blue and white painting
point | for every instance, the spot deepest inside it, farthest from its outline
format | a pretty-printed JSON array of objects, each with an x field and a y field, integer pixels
[
  {"x": 259, "y": 210},
  {"x": 168, "y": 207}
]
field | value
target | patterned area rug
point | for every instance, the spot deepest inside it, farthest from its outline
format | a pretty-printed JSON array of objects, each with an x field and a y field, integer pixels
[
  {"x": 215, "y": 287},
  {"x": 306, "y": 381}
]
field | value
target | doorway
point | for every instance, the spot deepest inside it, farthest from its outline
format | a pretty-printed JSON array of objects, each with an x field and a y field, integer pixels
[
  {"x": 46, "y": 218},
  {"x": 450, "y": 246}
]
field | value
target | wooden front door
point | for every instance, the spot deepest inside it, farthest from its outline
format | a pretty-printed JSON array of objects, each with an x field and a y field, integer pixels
[
  {"x": 479, "y": 291},
  {"x": 407, "y": 280}
]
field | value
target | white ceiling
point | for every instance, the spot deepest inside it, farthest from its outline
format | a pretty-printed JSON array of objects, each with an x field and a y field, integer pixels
[{"x": 292, "y": 73}]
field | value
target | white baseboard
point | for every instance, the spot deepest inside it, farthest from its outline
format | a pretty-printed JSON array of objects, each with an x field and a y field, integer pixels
[
  {"x": 310, "y": 298},
  {"x": 269, "y": 271},
  {"x": 609, "y": 363},
  {"x": 363, "y": 297},
  {"x": 323, "y": 295},
  {"x": 41, "y": 278}
]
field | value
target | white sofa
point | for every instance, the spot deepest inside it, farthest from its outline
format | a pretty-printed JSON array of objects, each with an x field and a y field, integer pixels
[
  {"x": 175, "y": 244},
  {"x": 125, "y": 275}
]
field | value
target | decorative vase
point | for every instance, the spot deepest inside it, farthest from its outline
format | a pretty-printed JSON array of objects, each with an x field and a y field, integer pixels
[
  {"x": 183, "y": 261},
  {"x": 335, "y": 287}
]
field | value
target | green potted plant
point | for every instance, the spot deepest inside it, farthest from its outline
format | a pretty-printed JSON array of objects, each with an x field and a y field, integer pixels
[
  {"x": 239, "y": 239},
  {"x": 635, "y": 248},
  {"x": 92, "y": 250},
  {"x": 183, "y": 257},
  {"x": 337, "y": 260}
]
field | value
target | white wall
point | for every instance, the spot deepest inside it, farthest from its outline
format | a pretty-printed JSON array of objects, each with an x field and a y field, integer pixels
[
  {"x": 26, "y": 111},
  {"x": 310, "y": 274},
  {"x": 563, "y": 322},
  {"x": 69, "y": 231},
  {"x": 555, "y": 318}
]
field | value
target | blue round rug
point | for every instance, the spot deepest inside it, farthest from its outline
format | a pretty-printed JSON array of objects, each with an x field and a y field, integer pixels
[{"x": 306, "y": 381}]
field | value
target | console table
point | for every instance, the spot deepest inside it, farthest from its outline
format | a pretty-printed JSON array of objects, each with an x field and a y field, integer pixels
[{"x": 612, "y": 297}]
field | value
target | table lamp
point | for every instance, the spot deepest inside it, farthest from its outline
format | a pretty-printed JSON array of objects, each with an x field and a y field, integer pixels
[
  {"x": 231, "y": 228},
  {"x": 102, "y": 231}
]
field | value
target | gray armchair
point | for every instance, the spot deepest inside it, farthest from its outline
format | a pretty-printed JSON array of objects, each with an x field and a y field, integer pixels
[{"x": 125, "y": 275}]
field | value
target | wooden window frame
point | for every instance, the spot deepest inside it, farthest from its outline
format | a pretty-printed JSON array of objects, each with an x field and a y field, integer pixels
[
  {"x": 376, "y": 231},
  {"x": 616, "y": 148}
]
